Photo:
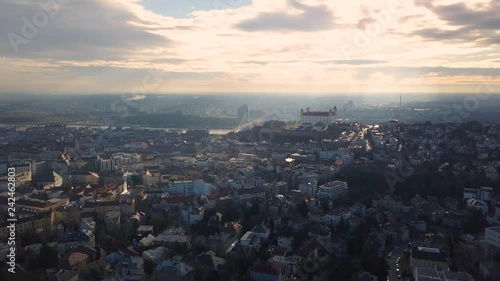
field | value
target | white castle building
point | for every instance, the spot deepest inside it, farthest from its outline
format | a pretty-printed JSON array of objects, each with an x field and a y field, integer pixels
[{"x": 315, "y": 117}]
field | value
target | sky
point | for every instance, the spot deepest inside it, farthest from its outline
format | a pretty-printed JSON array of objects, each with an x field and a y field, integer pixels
[{"x": 249, "y": 46}]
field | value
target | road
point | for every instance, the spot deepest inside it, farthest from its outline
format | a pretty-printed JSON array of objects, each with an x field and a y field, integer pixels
[{"x": 396, "y": 252}]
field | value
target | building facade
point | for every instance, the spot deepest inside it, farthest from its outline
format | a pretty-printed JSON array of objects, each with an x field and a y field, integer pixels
[
  {"x": 492, "y": 235},
  {"x": 314, "y": 117},
  {"x": 332, "y": 190}
]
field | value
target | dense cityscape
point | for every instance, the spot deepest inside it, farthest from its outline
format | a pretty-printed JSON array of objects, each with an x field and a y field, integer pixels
[{"x": 316, "y": 198}]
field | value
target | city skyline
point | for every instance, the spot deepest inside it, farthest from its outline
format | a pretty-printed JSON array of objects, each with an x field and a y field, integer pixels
[{"x": 243, "y": 46}]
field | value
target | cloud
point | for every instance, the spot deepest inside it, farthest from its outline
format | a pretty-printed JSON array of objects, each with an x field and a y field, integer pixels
[
  {"x": 429, "y": 71},
  {"x": 78, "y": 30},
  {"x": 310, "y": 18},
  {"x": 277, "y": 46},
  {"x": 320, "y": 62},
  {"x": 405, "y": 19},
  {"x": 358, "y": 61},
  {"x": 478, "y": 24},
  {"x": 364, "y": 22}
]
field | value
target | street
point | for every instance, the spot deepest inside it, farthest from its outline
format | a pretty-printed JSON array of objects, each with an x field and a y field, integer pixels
[{"x": 398, "y": 251}]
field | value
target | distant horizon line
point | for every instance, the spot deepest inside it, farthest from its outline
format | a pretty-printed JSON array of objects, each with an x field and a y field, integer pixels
[{"x": 238, "y": 93}]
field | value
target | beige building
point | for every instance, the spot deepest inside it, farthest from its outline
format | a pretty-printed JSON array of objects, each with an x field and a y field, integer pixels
[{"x": 83, "y": 177}]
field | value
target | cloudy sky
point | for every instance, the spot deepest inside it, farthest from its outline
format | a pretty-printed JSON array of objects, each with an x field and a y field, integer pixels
[{"x": 258, "y": 46}]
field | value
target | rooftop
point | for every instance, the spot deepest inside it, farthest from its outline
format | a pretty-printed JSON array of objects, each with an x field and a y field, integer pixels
[
  {"x": 334, "y": 184},
  {"x": 432, "y": 254},
  {"x": 76, "y": 258},
  {"x": 426, "y": 272},
  {"x": 174, "y": 267}
]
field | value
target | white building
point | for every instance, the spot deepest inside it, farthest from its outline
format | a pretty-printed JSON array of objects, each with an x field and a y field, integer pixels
[
  {"x": 117, "y": 160},
  {"x": 332, "y": 190},
  {"x": 470, "y": 193},
  {"x": 425, "y": 273},
  {"x": 314, "y": 117},
  {"x": 251, "y": 240},
  {"x": 485, "y": 193},
  {"x": 105, "y": 165},
  {"x": 181, "y": 187},
  {"x": 492, "y": 235}
]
